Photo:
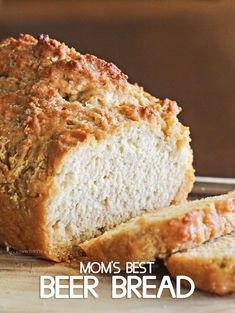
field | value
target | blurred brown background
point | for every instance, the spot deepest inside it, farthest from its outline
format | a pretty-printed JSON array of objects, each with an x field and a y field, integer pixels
[{"x": 183, "y": 50}]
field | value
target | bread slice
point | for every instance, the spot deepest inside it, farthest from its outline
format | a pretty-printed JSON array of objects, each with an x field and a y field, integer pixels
[
  {"x": 81, "y": 149},
  {"x": 164, "y": 231},
  {"x": 211, "y": 265}
]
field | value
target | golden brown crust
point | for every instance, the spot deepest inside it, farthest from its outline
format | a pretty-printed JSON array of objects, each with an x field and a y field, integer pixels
[
  {"x": 186, "y": 186},
  {"x": 208, "y": 274},
  {"x": 145, "y": 238},
  {"x": 52, "y": 99},
  {"x": 45, "y": 94}
]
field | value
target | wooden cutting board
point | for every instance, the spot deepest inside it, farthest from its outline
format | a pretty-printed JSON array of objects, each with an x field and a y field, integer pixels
[
  {"x": 19, "y": 292},
  {"x": 20, "y": 274}
]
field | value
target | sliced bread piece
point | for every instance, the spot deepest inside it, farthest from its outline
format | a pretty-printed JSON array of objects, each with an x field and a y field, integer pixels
[
  {"x": 211, "y": 265},
  {"x": 81, "y": 149},
  {"x": 158, "y": 234}
]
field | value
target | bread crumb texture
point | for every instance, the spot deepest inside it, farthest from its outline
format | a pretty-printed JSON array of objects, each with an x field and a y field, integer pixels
[
  {"x": 52, "y": 97},
  {"x": 56, "y": 107},
  {"x": 162, "y": 232},
  {"x": 211, "y": 265}
]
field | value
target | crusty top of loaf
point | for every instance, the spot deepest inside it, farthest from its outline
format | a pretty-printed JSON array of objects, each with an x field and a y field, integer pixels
[{"x": 52, "y": 98}]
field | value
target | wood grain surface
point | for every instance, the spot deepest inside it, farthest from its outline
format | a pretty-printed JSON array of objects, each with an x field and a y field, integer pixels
[
  {"x": 19, "y": 293},
  {"x": 20, "y": 274},
  {"x": 178, "y": 49}
]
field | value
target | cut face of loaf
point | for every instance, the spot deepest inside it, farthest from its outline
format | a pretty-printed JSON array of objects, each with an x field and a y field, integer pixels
[
  {"x": 100, "y": 185},
  {"x": 164, "y": 231},
  {"x": 82, "y": 150},
  {"x": 211, "y": 265}
]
